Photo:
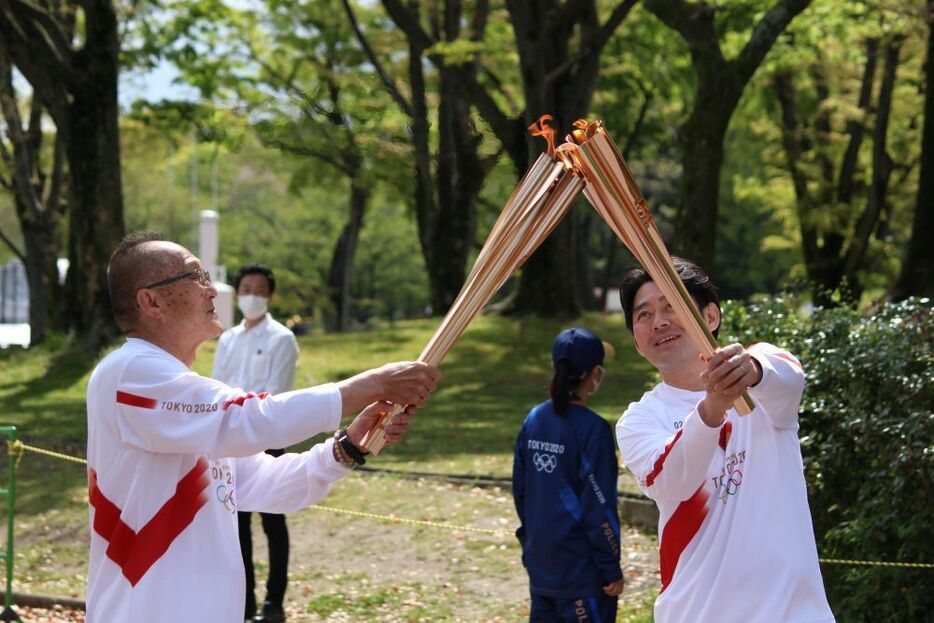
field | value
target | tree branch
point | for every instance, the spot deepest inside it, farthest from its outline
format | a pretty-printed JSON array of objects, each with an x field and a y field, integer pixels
[
  {"x": 388, "y": 83},
  {"x": 881, "y": 167},
  {"x": 791, "y": 133},
  {"x": 595, "y": 45},
  {"x": 408, "y": 23},
  {"x": 693, "y": 21},
  {"x": 637, "y": 128},
  {"x": 13, "y": 248},
  {"x": 304, "y": 150},
  {"x": 480, "y": 16},
  {"x": 856, "y": 127},
  {"x": 764, "y": 35},
  {"x": 54, "y": 200},
  {"x": 39, "y": 48},
  {"x": 568, "y": 13},
  {"x": 502, "y": 125},
  {"x": 22, "y": 157}
]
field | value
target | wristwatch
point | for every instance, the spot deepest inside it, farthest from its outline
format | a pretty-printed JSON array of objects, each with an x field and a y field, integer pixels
[{"x": 348, "y": 446}]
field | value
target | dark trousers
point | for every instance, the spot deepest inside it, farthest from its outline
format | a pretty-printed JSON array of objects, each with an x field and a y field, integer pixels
[
  {"x": 596, "y": 609},
  {"x": 278, "y": 536}
]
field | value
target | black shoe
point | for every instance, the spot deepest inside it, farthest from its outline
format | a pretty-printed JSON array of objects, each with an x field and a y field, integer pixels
[{"x": 271, "y": 614}]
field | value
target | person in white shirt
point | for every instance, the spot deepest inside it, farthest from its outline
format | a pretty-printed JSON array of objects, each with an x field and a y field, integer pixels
[
  {"x": 172, "y": 455},
  {"x": 736, "y": 541},
  {"x": 260, "y": 355}
]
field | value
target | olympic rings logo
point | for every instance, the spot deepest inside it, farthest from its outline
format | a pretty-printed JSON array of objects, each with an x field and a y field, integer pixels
[
  {"x": 731, "y": 485},
  {"x": 545, "y": 462},
  {"x": 225, "y": 498}
]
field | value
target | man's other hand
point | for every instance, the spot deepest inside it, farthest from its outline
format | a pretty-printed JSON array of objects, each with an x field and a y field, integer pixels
[{"x": 368, "y": 418}]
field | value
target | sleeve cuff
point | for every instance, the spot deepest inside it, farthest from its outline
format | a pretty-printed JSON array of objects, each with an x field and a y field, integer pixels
[{"x": 332, "y": 469}]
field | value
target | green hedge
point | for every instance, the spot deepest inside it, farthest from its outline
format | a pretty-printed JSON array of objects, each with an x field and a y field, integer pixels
[{"x": 867, "y": 435}]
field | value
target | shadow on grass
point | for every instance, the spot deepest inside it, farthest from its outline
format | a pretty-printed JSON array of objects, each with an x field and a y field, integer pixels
[
  {"x": 44, "y": 397},
  {"x": 66, "y": 367},
  {"x": 44, "y": 483}
]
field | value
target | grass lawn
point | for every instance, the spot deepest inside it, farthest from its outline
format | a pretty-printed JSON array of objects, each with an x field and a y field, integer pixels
[{"x": 493, "y": 376}]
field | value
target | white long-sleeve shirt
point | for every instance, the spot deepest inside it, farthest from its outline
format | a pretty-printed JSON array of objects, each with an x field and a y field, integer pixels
[
  {"x": 259, "y": 359},
  {"x": 163, "y": 490},
  {"x": 736, "y": 541}
]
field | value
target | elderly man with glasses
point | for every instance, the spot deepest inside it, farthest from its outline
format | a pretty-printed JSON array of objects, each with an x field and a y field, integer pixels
[{"x": 172, "y": 455}]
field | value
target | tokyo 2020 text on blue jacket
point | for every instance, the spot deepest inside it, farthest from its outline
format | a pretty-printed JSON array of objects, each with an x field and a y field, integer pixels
[{"x": 564, "y": 486}]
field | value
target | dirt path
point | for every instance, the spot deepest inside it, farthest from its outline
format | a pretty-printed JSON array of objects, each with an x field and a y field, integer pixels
[
  {"x": 347, "y": 568},
  {"x": 439, "y": 574}
]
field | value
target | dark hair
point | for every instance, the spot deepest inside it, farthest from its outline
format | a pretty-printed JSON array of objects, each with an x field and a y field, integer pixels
[
  {"x": 255, "y": 269},
  {"x": 698, "y": 284},
  {"x": 564, "y": 385},
  {"x": 131, "y": 266}
]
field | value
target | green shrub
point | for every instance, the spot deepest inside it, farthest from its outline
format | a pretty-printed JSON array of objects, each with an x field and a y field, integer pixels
[{"x": 867, "y": 435}]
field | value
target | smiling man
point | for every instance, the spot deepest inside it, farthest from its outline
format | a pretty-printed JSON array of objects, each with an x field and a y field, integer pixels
[
  {"x": 172, "y": 455},
  {"x": 735, "y": 536}
]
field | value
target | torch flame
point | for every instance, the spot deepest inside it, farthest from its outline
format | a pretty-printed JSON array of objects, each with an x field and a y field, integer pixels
[
  {"x": 542, "y": 128},
  {"x": 583, "y": 131},
  {"x": 568, "y": 154}
]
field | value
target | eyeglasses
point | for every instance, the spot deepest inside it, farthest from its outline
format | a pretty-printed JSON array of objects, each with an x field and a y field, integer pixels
[{"x": 202, "y": 276}]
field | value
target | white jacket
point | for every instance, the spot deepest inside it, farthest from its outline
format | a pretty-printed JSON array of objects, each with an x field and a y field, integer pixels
[
  {"x": 735, "y": 536},
  {"x": 172, "y": 456}
]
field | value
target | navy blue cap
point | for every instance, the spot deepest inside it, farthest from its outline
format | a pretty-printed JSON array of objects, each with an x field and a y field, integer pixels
[{"x": 579, "y": 347}]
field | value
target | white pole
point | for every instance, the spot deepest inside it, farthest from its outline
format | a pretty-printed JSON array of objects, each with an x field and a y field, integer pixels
[{"x": 208, "y": 251}]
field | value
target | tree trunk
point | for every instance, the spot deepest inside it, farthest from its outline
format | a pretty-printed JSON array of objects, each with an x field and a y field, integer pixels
[
  {"x": 701, "y": 139},
  {"x": 917, "y": 276},
  {"x": 446, "y": 194},
  {"x": 882, "y": 167},
  {"x": 795, "y": 145},
  {"x": 37, "y": 198},
  {"x": 96, "y": 208},
  {"x": 832, "y": 255},
  {"x": 554, "y": 279},
  {"x": 720, "y": 84},
  {"x": 554, "y": 81},
  {"x": 611, "y": 244},
  {"x": 78, "y": 87},
  {"x": 41, "y": 238},
  {"x": 459, "y": 177},
  {"x": 341, "y": 270}
]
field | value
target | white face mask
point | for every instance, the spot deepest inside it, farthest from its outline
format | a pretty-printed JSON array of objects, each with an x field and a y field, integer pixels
[
  {"x": 252, "y": 306},
  {"x": 596, "y": 384}
]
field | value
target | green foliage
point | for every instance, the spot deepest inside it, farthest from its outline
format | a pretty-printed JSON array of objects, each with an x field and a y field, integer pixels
[
  {"x": 867, "y": 435},
  {"x": 389, "y": 276},
  {"x": 170, "y": 176},
  {"x": 826, "y": 54},
  {"x": 757, "y": 221}
]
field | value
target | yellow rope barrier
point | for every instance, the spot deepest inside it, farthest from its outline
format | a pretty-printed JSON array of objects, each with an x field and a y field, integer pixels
[
  {"x": 412, "y": 522},
  {"x": 20, "y": 448},
  {"x": 876, "y": 563}
]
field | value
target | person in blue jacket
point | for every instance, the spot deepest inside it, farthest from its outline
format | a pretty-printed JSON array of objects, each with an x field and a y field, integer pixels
[{"x": 564, "y": 486}]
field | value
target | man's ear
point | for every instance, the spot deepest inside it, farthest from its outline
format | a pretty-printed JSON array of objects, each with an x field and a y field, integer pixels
[
  {"x": 149, "y": 304},
  {"x": 711, "y": 314}
]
